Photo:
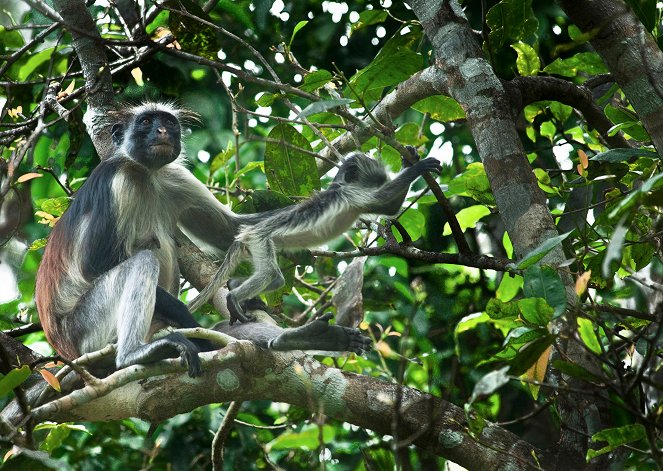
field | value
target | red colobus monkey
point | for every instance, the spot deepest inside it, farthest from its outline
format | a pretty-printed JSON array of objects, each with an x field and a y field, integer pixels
[
  {"x": 360, "y": 186},
  {"x": 110, "y": 272}
]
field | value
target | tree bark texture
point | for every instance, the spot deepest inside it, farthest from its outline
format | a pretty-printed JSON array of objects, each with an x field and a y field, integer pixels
[
  {"x": 242, "y": 371},
  {"x": 94, "y": 64},
  {"x": 472, "y": 82},
  {"x": 631, "y": 54}
]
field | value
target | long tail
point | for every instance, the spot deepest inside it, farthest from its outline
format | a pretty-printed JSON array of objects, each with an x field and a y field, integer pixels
[{"x": 233, "y": 257}]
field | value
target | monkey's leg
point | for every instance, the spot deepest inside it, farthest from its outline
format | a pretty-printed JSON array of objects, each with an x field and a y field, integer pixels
[
  {"x": 266, "y": 274},
  {"x": 174, "y": 312},
  {"x": 120, "y": 306},
  {"x": 318, "y": 335},
  {"x": 230, "y": 262}
]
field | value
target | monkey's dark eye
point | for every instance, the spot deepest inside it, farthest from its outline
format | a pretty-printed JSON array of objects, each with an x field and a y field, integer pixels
[{"x": 145, "y": 121}]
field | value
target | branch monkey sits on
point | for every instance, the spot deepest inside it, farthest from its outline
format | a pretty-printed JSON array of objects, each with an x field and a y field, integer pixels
[
  {"x": 361, "y": 186},
  {"x": 110, "y": 273}
]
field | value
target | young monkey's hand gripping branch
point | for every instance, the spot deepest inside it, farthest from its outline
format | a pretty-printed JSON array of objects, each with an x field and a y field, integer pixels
[{"x": 361, "y": 186}]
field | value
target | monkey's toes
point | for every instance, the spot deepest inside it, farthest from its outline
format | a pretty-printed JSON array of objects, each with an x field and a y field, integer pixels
[{"x": 359, "y": 343}]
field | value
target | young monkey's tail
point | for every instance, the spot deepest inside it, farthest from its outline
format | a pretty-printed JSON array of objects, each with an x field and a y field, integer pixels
[{"x": 230, "y": 262}]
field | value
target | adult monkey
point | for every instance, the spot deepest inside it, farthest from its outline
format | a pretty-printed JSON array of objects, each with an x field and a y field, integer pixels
[{"x": 110, "y": 273}]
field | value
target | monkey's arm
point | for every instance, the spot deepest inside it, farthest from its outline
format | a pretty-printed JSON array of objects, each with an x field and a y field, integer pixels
[
  {"x": 389, "y": 198},
  {"x": 201, "y": 215},
  {"x": 318, "y": 335}
]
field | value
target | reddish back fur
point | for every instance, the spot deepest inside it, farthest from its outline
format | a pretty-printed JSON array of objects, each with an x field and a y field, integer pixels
[{"x": 49, "y": 277}]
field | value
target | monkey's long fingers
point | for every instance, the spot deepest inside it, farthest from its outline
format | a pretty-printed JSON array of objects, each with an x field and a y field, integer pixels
[
  {"x": 189, "y": 358},
  {"x": 430, "y": 164},
  {"x": 236, "y": 311}
]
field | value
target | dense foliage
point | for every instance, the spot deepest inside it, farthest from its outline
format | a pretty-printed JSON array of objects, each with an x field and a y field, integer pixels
[{"x": 274, "y": 84}]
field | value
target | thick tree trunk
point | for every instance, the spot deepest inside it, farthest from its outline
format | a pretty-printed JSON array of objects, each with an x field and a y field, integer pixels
[
  {"x": 631, "y": 54},
  {"x": 521, "y": 203},
  {"x": 94, "y": 64}
]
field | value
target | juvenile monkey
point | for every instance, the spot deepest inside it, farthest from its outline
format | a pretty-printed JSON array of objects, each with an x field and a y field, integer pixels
[{"x": 361, "y": 186}]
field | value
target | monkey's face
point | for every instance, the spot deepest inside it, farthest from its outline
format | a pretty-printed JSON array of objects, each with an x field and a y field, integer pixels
[{"x": 154, "y": 139}]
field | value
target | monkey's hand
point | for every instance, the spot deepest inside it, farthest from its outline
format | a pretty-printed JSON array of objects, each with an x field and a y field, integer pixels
[
  {"x": 429, "y": 164},
  {"x": 236, "y": 311},
  {"x": 409, "y": 160}
]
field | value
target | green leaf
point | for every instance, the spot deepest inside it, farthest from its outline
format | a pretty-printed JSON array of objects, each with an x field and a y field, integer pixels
[
  {"x": 589, "y": 62},
  {"x": 529, "y": 355},
  {"x": 57, "y": 434},
  {"x": 509, "y": 287},
  {"x": 614, "y": 251},
  {"x": 316, "y": 80},
  {"x": 560, "y": 111},
  {"x": 473, "y": 182},
  {"x": 38, "y": 244},
  {"x": 468, "y": 217},
  {"x": 322, "y": 106},
  {"x": 396, "y": 61},
  {"x": 545, "y": 282},
  {"x": 267, "y": 99},
  {"x": 541, "y": 251},
  {"x": 490, "y": 383},
  {"x": 14, "y": 378},
  {"x": 548, "y": 129},
  {"x": 369, "y": 17},
  {"x": 497, "y": 309},
  {"x": 623, "y": 155},
  {"x": 298, "y": 26},
  {"x": 307, "y": 439},
  {"x": 440, "y": 108},
  {"x": 576, "y": 371},
  {"x": 627, "y": 121},
  {"x": 588, "y": 336},
  {"x": 510, "y": 21},
  {"x": 535, "y": 311},
  {"x": 636, "y": 196},
  {"x": 222, "y": 158},
  {"x": 409, "y": 134},
  {"x": 198, "y": 38},
  {"x": 23, "y": 69},
  {"x": 11, "y": 39},
  {"x": 289, "y": 169},
  {"x": 414, "y": 223},
  {"x": 527, "y": 62},
  {"x": 55, "y": 206},
  {"x": 616, "y": 437}
]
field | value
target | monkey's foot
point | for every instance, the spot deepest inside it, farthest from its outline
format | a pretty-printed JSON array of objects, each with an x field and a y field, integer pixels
[
  {"x": 319, "y": 335},
  {"x": 236, "y": 311}
]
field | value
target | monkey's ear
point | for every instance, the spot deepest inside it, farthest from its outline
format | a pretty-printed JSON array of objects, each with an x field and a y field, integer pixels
[{"x": 117, "y": 133}]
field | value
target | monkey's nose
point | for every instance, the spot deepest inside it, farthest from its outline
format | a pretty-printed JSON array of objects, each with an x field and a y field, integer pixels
[{"x": 161, "y": 130}]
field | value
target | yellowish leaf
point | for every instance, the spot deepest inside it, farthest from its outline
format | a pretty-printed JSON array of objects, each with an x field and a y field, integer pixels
[
  {"x": 582, "y": 281},
  {"x": 51, "y": 379},
  {"x": 9, "y": 454},
  {"x": 584, "y": 160},
  {"x": 385, "y": 350},
  {"x": 67, "y": 91},
  {"x": 137, "y": 74},
  {"x": 537, "y": 372},
  {"x": 28, "y": 176}
]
